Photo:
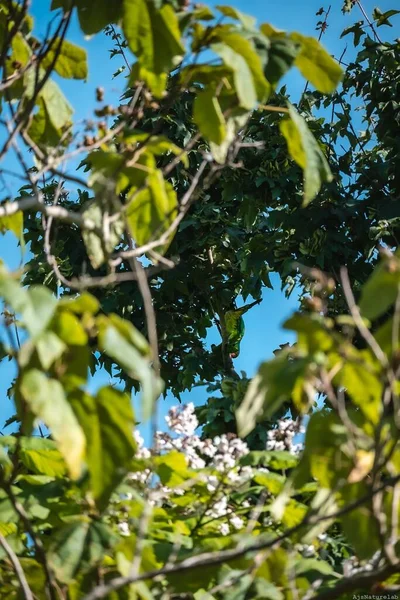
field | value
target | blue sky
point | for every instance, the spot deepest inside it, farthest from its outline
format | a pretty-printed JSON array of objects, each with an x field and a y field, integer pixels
[{"x": 263, "y": 323}]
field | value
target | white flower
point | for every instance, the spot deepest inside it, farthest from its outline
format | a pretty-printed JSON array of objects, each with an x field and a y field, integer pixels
[
  {"x": 182, "y": 419},
  {"x": 212, "y": 483},
  {"x": 224, "y": 529},
  {"x": 236, "y": 522},
  {"x": 123, "y": 528}
]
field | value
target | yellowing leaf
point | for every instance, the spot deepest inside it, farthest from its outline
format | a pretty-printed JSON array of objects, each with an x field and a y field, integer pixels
[
  {"x": 45, "y": 398},
  {"x": 364, "y": 462},
  {"x": 305, "y": 151},
  {"x": 14, "y": 223},
  {"x": 70, "y": 60},
  {"x": 316, "y": 65}
]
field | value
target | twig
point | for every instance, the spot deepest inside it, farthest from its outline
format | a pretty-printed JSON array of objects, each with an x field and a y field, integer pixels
[
  {"x": 37, "y": 542},
  {"x": 355, "y": 313},
  {"x": 26, "y": 590}
]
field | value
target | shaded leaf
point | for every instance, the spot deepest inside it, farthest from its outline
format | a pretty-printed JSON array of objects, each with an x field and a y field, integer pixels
[
  {"x": 305, "y": 151},
  {"x": 107, "y": 421}
]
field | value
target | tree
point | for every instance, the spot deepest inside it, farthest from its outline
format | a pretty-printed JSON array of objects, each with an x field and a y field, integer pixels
[{"x": 160, "y": 213}]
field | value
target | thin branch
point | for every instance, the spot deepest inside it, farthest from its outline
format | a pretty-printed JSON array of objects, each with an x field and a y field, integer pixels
[
  {"x": 355, "y": 313},
  {"x": 26, "y": 590},
  {"x": 37, "y": 543}
]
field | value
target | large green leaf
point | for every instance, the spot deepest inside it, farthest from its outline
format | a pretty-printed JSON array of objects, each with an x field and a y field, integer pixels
[
  {"x": 14, "y": 223},
  {"x": 229, "y": 11},
  {"x": 95, "y": 16},
  {"x": 233, "y": 125},
  {"x": 270, "y": 388},
  {"x": 306, "y": 152},
  {"x": 207, "y": 115},
  {"x": 316, "y": 65},
  {"x": 115, "y": 341},
  {"x": 36, "y": 306},
  {"x": 49, "y": 347},
  {"x": 71, "y": 61},
  {"x": 45, "y": 398},
  {"x": 41, "y": 456},
  {"x": 380, "y": 291},
  {"x": 95, "y": 246},
  {"x": 364, "y": 386},
  {"x": 57, "y": 106},
  {"x": 107, "y": 421},
  {"x": 239, "y": 55},
  {"x": 154, "y": 37},
  {"x": 78, "y": 546},
  {"x": 152, "y": 211},
  {"x": 359, "y": 524}
]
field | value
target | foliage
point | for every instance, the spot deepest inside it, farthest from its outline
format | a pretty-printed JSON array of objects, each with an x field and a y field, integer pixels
[{"x": 187, "y": 195}]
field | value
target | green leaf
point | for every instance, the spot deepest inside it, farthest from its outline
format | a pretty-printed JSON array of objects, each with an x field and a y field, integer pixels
[
  {"x": 246, "y": 20},
  {"x": 107, "y": 421},
  {"x": 238, "y": 54},
  {"x": 71, "y": 61},
  {"x": 316, "y": 65},
  {"x": 41, "y": 129},
  {"x": 364, "y": 388},
  {"x": 118, "y": 345},
  {"x": 41, "y": 456},
  {"x": 281, "y": 56},
  {"x": 273, "y": 385},
  {"x": 154, "y": 37},
  {"x": 279, "y": 460},
  {"x": 203, "y": 595},
  {"x": 380, "y": 291},
  {"x": 36, "y": 305},
  {"x": 207, "y": 115},
  {"x": 151, "y": 211},
  {"x": 159, "y": 145},
  {"x": 324, "y": 456},
  {"x": 233, "y": 125},
  {"x": 49, "y": 347},
  {"x": 14, "y": 223},
  {"x": 95, "y": 16},
  {"x": 172, "y": 468},
  {"x": 69, "y": 329},
  {"x": 45, "y": 398},
  {"x": 78, "y": 546},
  {"x": 95, "y": 246},
  {"x": 359, "y": 524},
  {"x": 84, "y": 303},
  {"x": 58, "y": 109},
  {"x": 273, "y": 482},
  {"x": 305, "y": 151}
]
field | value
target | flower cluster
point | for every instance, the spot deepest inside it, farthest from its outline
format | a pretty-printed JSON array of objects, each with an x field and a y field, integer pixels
[
  {"x": 282, "y": 437},
  {"x": 218, "y": 457}
]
